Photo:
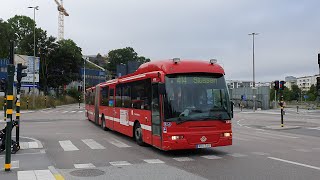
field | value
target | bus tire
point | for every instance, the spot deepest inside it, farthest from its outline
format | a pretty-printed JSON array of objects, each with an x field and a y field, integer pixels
[
  {"x": 138, "y": 134},
  {"x": 103, "y": 123}
]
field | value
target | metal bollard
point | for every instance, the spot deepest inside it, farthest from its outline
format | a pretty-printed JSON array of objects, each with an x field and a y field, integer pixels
[
  {"x": 28, "y": 103},
  {"x": 79, "y": 101},
  {"x": 45, "y": 101},
  {"x": 297, "y": 109}
]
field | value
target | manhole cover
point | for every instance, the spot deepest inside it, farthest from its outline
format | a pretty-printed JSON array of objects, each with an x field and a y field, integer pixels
[{"x": 87, "y": 172}]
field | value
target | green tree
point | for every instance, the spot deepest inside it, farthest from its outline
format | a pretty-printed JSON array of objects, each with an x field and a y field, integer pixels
[
  {"x": 123, "y": 55},
  {"x": 65, "y": 63},
  {"x": 295, "y": 92},
  {"x": 23, "y": 28},
  {"x": 6, "y": 35},
  {"x": 47, "y": 46},
  {"x": 312, "y": 93}
]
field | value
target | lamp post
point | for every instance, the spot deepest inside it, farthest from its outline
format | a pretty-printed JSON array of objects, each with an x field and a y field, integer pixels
[
  {"x": 253, "y": 83},
  {"x": 34, "y": 52}
]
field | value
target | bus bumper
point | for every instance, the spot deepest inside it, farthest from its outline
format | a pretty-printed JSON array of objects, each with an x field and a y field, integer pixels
[{"x": 183, "y": 144}]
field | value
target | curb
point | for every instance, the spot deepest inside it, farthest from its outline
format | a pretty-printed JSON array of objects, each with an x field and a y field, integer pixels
[{"x": 55, "y": 173}]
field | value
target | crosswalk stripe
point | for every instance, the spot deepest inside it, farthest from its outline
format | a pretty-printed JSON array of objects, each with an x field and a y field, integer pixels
[
  {"x": 35, "y": 175},
  {"x": 260, "y": 153},
  {"x": 211, "y": 157},
  {"x": 183, "y": 159},
  {"x": 117, "y": 143},
  {"x": 80, "y": 111},
  {"x": 83, "y": 166},
  {"x": 279, "y": 135},
  {"x": 26, "y": 175},
  {"x": 237, "y": 155},
  {"x": 68, "y": 146},
  {"x": 303, "y": 150},
  {"x": 44, "y": 174},
  {"x": 92, "y": 144},
  {"x": 120, "y": 163},
  {"x": 153, "y": 161},
  {"x": 73, "y": 111},
  {"x": 14, "y": 164},
  {"x": 65, "y": 111}
]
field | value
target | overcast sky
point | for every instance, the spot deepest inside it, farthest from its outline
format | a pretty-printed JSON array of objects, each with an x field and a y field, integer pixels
[{"x": 288, "y": 42}]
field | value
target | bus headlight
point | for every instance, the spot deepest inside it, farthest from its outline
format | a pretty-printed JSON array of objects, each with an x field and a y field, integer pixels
[
  {"x": 176, "y": 137},
  {"x": 227, "y": 134}
]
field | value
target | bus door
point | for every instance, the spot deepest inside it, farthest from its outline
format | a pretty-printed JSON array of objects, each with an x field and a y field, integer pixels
[
  {"x": 111, "y": 110},
  {"x": 96, "y": 105},
  {"x": 156, "y": 120}
]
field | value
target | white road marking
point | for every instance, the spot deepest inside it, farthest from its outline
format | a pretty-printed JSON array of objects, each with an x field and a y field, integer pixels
[
  {"x": 73, "y": 111},
  {"x": 211, "y": 157},
  {"x": 35, "y": 175},
  {"x": 84, "y": 166},
  {"x": 33, "y": 145},
  {"x": 302, "y": 150},
  {"x": 92, "y": 144},
  {"x": 260, "y": 153},
  {"x": 241, "y": 139},
  {"x": 295, "y": 163},
  {"x": 117, "y": 143},
  {"x": 248, "y": 136},
  {"x": 80, "y": 111},
  {"x": 237, "y": 155},
  {"x": 44, "y": 174},
  {"x": 65, "y": 111},
  {"x": 183, "y": 159},
  {"x": 120, "y": 163},
  {"x": 26, "y": 175},
  {"x": 14, "y": 164},
  {"x": 314, "y": 128},
  {"x": 68, "y": 146},
  {"x": 153, "y": 161},
  {"x": 277, "y": 135}
]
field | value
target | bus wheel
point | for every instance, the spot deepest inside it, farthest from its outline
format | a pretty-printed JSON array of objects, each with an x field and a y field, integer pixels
[
  {"x": 138, "y": 134},
  {"x": 103, "y": 123}
]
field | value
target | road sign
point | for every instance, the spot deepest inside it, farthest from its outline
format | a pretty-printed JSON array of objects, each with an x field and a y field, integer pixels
[
  {"x": 305, "y": 96},
  {"x": 28, "y": 61}
]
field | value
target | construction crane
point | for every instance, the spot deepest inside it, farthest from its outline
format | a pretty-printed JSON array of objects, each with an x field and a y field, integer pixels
[{"x": 62, "y": 13}]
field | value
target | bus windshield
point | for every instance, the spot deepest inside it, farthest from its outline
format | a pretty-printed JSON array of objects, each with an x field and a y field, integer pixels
[{"x": 195, "y": 97}]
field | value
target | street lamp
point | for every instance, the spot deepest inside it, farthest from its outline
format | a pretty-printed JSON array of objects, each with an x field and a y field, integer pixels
[
  {"x": 253, "y": 83},
  {"x": 34, "y": 51}
]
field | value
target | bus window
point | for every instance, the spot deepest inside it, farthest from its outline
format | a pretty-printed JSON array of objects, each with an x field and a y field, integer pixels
[
  {"x": 111, "y": 98},
  {"x": 104, "y": 96},
  {"x": 141, "y": 94},
  {"x": 126, "y": 96},
  {"x": 118, "y": 96}
]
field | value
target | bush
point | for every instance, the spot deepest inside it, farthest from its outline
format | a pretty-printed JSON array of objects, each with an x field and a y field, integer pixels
[{"x": 74, "y": 93}]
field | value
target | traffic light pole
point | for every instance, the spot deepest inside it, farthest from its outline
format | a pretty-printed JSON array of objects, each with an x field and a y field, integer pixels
[
  {"x": 282, "y": 107},
  {"x": 9, "y": 111},
  {"x": 18, "y": 114}
]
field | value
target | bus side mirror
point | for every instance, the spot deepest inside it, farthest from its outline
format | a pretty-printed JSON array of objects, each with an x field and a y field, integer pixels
[
  {"x": 232, "y": 105},
  {"x": 161, "y": 88}
]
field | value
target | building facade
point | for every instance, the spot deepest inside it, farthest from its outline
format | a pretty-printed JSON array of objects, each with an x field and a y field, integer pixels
[{"x": 304, "y": 83}]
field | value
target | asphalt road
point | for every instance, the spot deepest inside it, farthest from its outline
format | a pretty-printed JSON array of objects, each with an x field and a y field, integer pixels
[{"x": 60, "y": 143}]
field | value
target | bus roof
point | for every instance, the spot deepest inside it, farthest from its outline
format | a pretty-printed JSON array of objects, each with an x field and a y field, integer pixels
[
  {"x": 183, "y": 66},
  {"x": 169, "y": 67}
]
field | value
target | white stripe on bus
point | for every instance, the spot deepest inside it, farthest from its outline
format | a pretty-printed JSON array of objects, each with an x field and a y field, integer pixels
[{"x": 143, "y": 126}]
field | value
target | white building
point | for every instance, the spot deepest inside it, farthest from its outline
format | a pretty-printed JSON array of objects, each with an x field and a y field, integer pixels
[
  {"x": 304, "y": 83},
  {"x": 290, "y": 80},
  {"x": 234, "y": 84}
]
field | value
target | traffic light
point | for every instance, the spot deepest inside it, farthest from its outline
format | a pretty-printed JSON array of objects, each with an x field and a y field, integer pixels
[
  {"x": 3, "y": 85},
  {"x": 20, "y": 74},
  {"x": 282, "y": 85},
  {"x": 318, "y": 83},
  {"x": 276, "y": 85}
]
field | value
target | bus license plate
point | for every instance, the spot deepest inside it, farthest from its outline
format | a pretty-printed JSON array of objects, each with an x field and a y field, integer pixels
[{"x": 203, "y": 145}]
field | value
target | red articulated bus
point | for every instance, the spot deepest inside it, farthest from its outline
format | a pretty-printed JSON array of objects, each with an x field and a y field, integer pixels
[{"x": 171, "y": 104}]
